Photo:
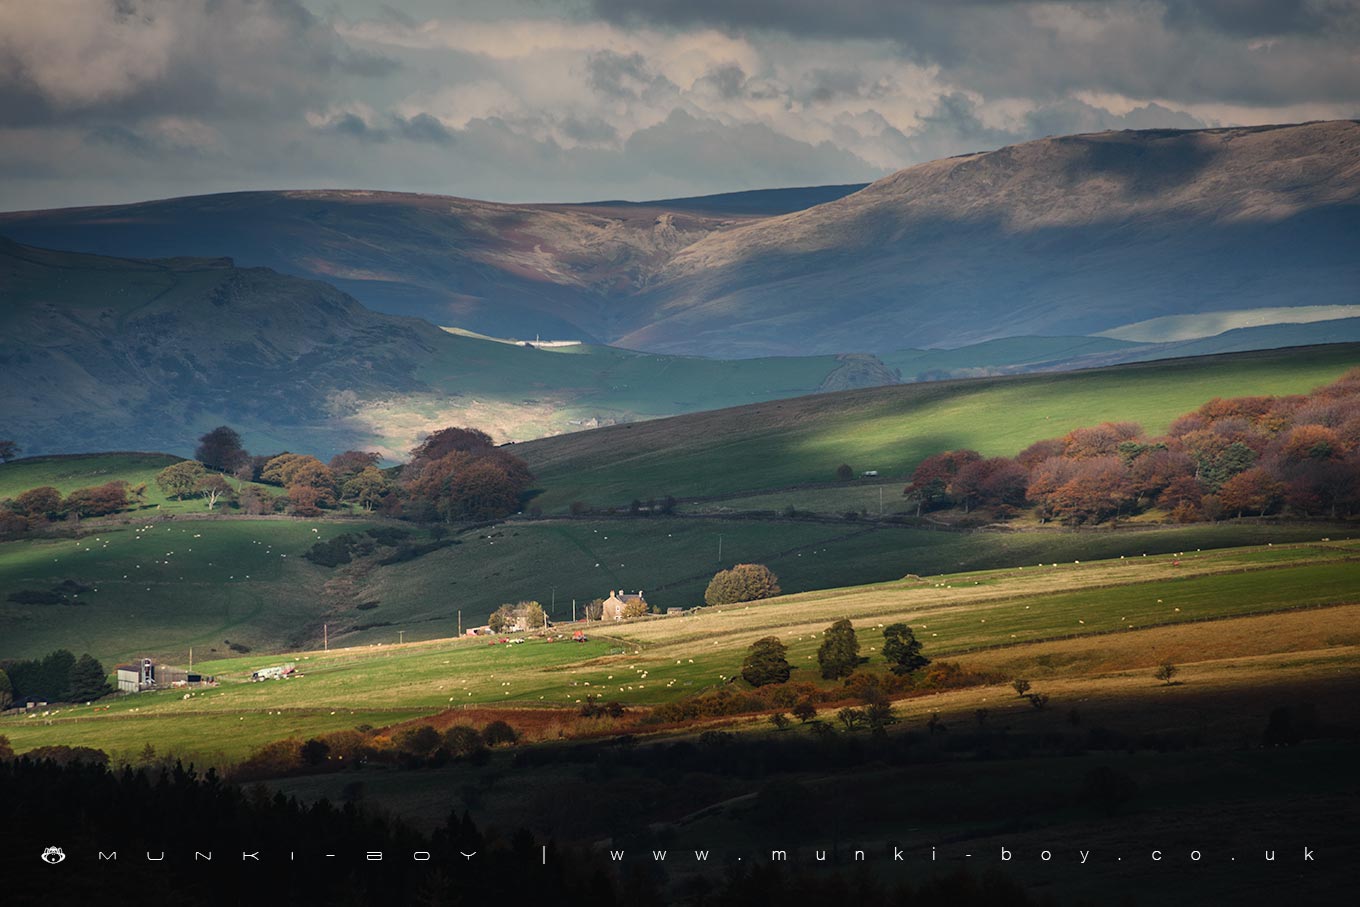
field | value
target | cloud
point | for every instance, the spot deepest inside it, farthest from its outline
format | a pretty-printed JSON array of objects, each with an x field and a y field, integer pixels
[
  {"x": 570, "y": 99},
  {"x": 1187, "y": 50},
  {"x": 118, "y": 60}
]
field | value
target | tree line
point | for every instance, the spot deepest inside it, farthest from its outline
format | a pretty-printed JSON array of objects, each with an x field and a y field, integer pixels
[
  {"x": 455, "y": 474},
  {"x": 1245, "y": 456},
  {"x": 56, "y": 677}
]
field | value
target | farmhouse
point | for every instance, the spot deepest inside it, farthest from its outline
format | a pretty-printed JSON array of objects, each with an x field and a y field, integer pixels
[{"x": 617, "y": 605}]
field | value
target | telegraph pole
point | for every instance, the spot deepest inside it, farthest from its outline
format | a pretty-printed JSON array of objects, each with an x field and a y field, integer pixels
[
  {"x": 460, "y": 621},
  {"x": 325, "y": 637},
  {"x": 401, "y": 637},
  {"x": 553, "y": 607},
  {"x": 720, "y": 548},
  {"x": 573, "y": 610}
]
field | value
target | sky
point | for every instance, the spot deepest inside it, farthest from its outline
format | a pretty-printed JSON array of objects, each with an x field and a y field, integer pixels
[{"x": 105, "y": 101}]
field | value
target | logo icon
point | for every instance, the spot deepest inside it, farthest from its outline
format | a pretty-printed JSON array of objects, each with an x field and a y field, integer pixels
[{"x": 53, "y": 855}]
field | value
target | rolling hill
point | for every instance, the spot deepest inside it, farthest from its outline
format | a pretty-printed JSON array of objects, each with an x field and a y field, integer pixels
[
  {"x": 103, "y": 353},
  {"x": 795, "y": 442},
  {"x": 1069, "y": 235}
]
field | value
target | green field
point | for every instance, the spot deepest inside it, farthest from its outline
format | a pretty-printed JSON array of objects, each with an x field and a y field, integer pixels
[
  {"x": 67, "y": 473},
  {"x": 658, "y": 659},
  {"x": 157, "y": 588},
  {"x": 775, "y": 445}
]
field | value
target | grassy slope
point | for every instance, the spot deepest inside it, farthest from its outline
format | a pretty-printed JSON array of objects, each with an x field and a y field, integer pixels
[
  {"x": 658, "y": 659},
  {"x": 244, "y": 579},
  {"x": 67, "y": 473},
  {"x": 772, "y": 445}
]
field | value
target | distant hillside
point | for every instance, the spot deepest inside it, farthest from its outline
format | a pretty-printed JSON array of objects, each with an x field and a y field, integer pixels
[
  {"x": 891, "y": 429},
  {"x": 102, "y": 353},
  {"x": 1071, "y": 235}
]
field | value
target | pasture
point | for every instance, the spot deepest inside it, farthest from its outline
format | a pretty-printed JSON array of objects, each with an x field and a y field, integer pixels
[
  {"x": 1131, "y": 612},
  {"x": 157, "y": 588}
]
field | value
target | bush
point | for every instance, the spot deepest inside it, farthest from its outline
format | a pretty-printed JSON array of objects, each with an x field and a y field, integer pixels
[
  {"x": 805, "y": 711},
  {"x": 463, "y": 741},
  {"x": 1021, "y": 686},
  {"x": 499, "y": 733}
]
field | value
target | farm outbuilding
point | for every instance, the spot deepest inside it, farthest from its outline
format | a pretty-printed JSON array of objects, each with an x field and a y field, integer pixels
[{"x": 146, "y": 675}]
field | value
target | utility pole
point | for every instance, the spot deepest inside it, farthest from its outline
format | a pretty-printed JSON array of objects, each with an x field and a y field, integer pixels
[
  {"x": 325, "y": 637},
  {"x": 880, "y": 500},
  {"x": 191, "y": 658},
  {"x": 573, "y": 610},
  {"x": 460, "y": 621},
  {"x": 401, "y": 637},
  {"x": 553, "y": 607},
  {"x": 720, "y": 548}
]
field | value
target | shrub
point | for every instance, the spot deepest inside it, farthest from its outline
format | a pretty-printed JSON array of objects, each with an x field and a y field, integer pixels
[{"x": 499, "y": 733}]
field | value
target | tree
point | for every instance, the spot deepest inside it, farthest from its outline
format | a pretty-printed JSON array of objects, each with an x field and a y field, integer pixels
[
  {"x": 804, "y": 711},
  {"x": 850, "y": 717},
  {"x": 1020, "y": 685},
  {"x": 101, "y": 500},
  {"x": 440, "y": 444},
  {"x": 838, "y": 654},
  {"x": 595, "y": 609},
  {"x": 499, "y": 732},
  {"x": 766, "y": 662},
  {"x": 634, "y": 608},
  {"x": 902, "y": 649},
  {"x": 6, "y": 691},
  {"x": 533, "y": 615},
  {"x": 743, "y": 583},
  {"x": 1254, "y": 489},
  {"x": 463, "y": 741},
  {"x": 501, "y": 619},
  {"x": 352, "y": 462},
  {"x": 931, "y": 478},
  {"x": 214, "y": 487},
  {"x": 221, "y": 450},
  {"x": 844, "y": 472},
  {"x": 88, "y": 680},
  {"x": 367, "y": 488},
  {"x": 304, "y": 500},
  {"x": 178, "y": 481},
  {"x": 8, "y": 451},
  {"x": 1165, "y": 672},
  {"x": 43, "y": 502}
]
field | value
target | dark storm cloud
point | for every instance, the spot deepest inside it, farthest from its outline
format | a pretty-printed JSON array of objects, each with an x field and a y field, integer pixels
[{"x": 619, "y": 75}]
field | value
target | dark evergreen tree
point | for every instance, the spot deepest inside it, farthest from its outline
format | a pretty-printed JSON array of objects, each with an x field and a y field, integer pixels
[
  {"x": 839, "y": 652},
  {"x": 88, "y": 680},
  {"x": 902, "y": 649},
  {"x": 766, "y": 663}
]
